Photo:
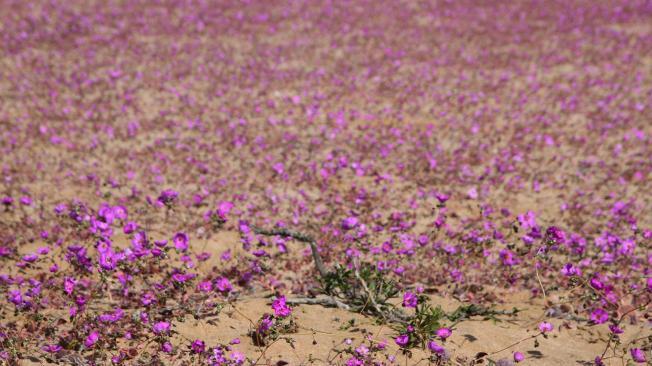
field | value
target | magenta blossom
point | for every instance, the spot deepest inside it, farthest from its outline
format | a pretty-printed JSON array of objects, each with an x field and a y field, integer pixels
[
  {"x": 402, "y": 340},
  {"x": 434, "y": 347},
  {"x": 354, "y": 361},
  {"x": 92, "y": 338},
  {"x": 168, "y": 196},
  {"x": 238, "y": 358},
  {"x": 280, "y": 308},
  {"x": 444, "y": 333},
  {"x": 161, "y": 328},
  {"x": 180, "y": 241},
  {"x": 615, "y": 329},
  {"x": 410, "y": 300},
  {"x": 223, "y": 209},
  {"x": 638, "y": 355},
  {"x": 599, "y": 316},
  {"x": 545, "y": 327},
  {"x": 265, "y": 324},
  {"x": 52, "y": 348},
  {"x": 518, "y": 357},
  {"x": 166, "y": 347},
  {"x": 349, "y": 223},
  {"x": 198, "y": 346},
  {"x": 223, "y": 285}
]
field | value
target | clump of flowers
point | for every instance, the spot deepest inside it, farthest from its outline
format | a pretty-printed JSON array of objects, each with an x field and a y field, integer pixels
[{"x": 271, "y": 327}]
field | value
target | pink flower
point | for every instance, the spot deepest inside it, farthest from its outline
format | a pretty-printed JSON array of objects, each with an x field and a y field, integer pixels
[
  {"x": 410, "y": 300},
  {"x": 265, "y": 324},
  {"x": 444, "y": 333},
  {"x": 205, "y": 286},
  {"x": 168, "y": 196},
  {"x": 224, "y": 208},
  {"x": 362, "y": 350},
  {"x": 161, "y": 328},
  {"x": 237, "y": 357},
  {"x": 545, "y": 327},
  {"x": 349, "y": 223},
  {"x": 198, "y": 346},
  {"x": 472, "y": 193},
  {"x": 402, "y": 340},
  {"x": 280, "y": 308},
  {"x": 436, "y": 348},
  {"x": 615, "y": 329},
  {"x": 92, "y": 339},
  {"x": 52, "y": 348},
  {"x": 180, "y": 241},
  {"x": 354, "y": 361},
  {"x": 638, "y": 355},
  {"x": 223, "y": 285},
  {"x": 518, "y": 357},
  {"x": 599, "y": 316},
  {"x": 166, "y": 347}
]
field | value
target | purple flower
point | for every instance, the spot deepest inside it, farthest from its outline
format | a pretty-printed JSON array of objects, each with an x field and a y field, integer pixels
[
  {"x": 434, "y": 347},
  {"x": 223, "y": 209},
  {"x": 180, "y": 241},
  {"x": 15, "y": 297},
  {"x": 130, "y": 227},
  {"x": 599, "y": 316},
  {"x": 237, "y": 357},
  {"x": 52, "y": 348},
  {"x": 60, "y": 208},
  {"x": 30, "y": 258},
  {"x": 638, "y": 355},
  {"x": 147, "y": 299},
  {"x": 168, "y": 196},
  {"x": 198, "y": 346},
  {"x": 569, "y": 270},
  {"x": 279, "y": 168},
  {"x": 120, "y": 212},
  {"x": 615, "y": 329},
  {"x": 205, "y": 286},
  {"x": 182, "y": 277},
  {"x": 555, "y": 235},
  {"x": 166, "y": 347},
  {"x": 69, "y": 285},
  {"x": 223, "y": 285},
  {"x": 265, "y": 324},
  {"x": 442, "y": 197},
  {"x": 349, "y": 223},
  {"x": 518, "y": 357},
  {"x": 402, "y": 340},
  {"x": 362, "y": 350},
  {"x": 92, "y": 339},
  {"x": 280, "y": 308},
  {"x": 410, "y": 300},
  {"x": 354, "y": 361},
  {"x": 545, "y": 327},
  {"x": 161, "y": 328},
  {"x": 112, "y": 317},
  {"x": 444, "y": 333},
  {"x": 26, "y": 200}
]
